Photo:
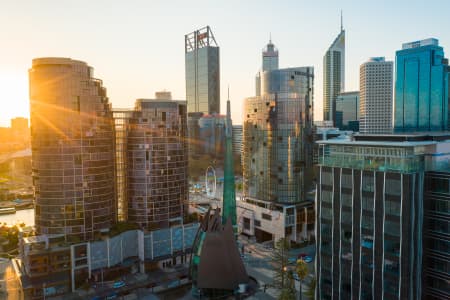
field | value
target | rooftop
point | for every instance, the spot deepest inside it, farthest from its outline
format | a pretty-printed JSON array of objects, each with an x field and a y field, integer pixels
[{"x": 421, "y": 43}]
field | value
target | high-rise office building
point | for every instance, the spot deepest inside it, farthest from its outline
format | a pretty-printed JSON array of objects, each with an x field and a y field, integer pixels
[
  {"x": 333, "y": 75},
  {"x": 202, "y": 72},
  {"x": 270, "y": 57},
  {"x": 375, "y": 88},
  {"x": 212, "y": 135},
  {"x": 72, "y": 140},
  {"x": 277, "y": 156},
  {"x": 157, "y": 163},
  {"x": 269, "y": 63},
  {"x": 347, "y": 111},
  {"x": 382, "y": 232},
  {"x": 421, "y": 88}
]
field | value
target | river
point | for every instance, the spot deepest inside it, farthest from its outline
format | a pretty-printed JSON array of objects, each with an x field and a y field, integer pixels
[{"x": 25, "y": 215}]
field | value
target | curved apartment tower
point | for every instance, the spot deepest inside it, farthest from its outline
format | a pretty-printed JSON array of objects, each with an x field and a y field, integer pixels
[
  {"x": 72, "y": 140},
  {"x": 157, "y": 163}
]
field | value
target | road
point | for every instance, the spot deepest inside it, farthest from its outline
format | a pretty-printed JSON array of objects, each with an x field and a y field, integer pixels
[
  {"x": 259, "y": 265},
  {"x": 13, "y": 291}
]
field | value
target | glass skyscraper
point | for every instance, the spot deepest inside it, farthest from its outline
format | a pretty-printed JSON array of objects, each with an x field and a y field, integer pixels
[
  {"x": 202, "y": 72},
  {"x": 277, "y": 153},
  {"x": 333, "y": 75},
  {"x": 421, "y": 87},
  {"x": 269, "y": 63},
  {"x": 347, "y": 111}
]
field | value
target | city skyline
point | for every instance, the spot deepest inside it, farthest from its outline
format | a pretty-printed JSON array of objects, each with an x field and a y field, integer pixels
[{"x": 124, "y": 54}]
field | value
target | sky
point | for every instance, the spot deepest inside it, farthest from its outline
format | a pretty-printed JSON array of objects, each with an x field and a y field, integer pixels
[{"x": 137, "y": 47}]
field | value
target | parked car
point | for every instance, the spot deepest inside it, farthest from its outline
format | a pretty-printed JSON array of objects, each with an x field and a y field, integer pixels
[
  {"x": 292, "y": 260},
  {"x": 302, "y": 255},
  {"x": 112, "y": 296},
  {"x": 307, "y": 259},
  {"x": 118, "y": 284}
]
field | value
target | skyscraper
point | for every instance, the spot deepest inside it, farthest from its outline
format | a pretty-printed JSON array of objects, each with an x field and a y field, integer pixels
[
  {"x": 333, "y": 75},
  {"x": 72, "y": 138},
  {"x": 277, "y": 155},
  {"x": 381, "y": 231},
  {"x": 202, "y": 72},
  {"x": 157, "y": 163},
  {"x": 421, "y": 87},
  {"x": 375, "y": 88},
  {"x": 347, "y": 111},
  {"x": 269, "y": 63}
]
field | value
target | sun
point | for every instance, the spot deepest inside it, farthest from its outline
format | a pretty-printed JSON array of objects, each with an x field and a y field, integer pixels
[{"x": 14, "y": 100}]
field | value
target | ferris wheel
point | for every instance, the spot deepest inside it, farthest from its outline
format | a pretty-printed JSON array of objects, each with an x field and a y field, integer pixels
[{"x": 210, "y": 182}]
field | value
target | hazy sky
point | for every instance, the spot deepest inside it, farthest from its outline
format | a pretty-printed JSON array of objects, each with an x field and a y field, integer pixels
[{"x": 137, "y": 47}]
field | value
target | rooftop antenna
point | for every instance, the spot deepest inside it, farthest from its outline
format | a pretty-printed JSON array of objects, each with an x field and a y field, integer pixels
[
  {"x": 270, "y": 37},
  {"x": 342, "y": 23}
]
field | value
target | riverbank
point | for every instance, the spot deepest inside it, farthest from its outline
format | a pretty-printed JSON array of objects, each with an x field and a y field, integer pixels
[{"x": 21, "y": 216}]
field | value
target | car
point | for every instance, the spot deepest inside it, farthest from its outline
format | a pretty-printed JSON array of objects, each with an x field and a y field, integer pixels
[
  {"x": 292, "y": 260},
  {"x": 118, "y": 284},
  {"x": 302, "y": 255},
  {"x": 111, "y": 296},
  {"x": 307, "y": 259}
]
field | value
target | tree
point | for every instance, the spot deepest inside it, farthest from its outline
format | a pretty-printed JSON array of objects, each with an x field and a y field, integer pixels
[
  {"x": 302, "y": 271},
  {"x": 311, "y": 291},
  {"x": 282, "y": 279},
  {"x": 288, "y": 292}
]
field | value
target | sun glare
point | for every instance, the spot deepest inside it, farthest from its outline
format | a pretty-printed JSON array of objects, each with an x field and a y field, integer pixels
[{"x": 14, "y": 88}]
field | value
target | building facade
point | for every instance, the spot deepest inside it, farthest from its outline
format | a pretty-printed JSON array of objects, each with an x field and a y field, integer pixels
[
  {"x": 121, "y": 119},
  {"x": 212, "y": 135},
  {"x": 237, "y": 139},
  {"x": 269, "y": 63},
  {"x": 375, "y": 86},
  {"x": 157, "y": 163},
  {"x": 421, "y": 87},
  {"x": 333, "y": 76},
  {"x": 202, "y": 72},
  {"x": 47, "y": 267},
  {"x": 371, "y": 216},
  {"x": 72, "y": 138},
  {"x": 347, "y": 111},
  {"x": 436, "y": 252},
  {"x": 277, "y": 155}
]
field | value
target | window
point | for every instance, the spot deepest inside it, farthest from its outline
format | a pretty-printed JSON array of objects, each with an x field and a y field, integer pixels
[{"x": 266, "y": 216}]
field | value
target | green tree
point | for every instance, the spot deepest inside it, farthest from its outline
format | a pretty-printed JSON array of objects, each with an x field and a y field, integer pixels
[
  {"x": 311, "y": 291},
  {"x": 302, "y": 271},
  {"x": 282, "y": 279}
]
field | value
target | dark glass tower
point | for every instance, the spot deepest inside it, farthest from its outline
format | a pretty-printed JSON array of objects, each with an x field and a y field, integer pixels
[
  {"x": 202, "y": 72},
  {"x": 421, "y": 88}
]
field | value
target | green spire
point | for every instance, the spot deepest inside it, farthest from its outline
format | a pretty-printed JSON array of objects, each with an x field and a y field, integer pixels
[{"x": 229, "y": 194}]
